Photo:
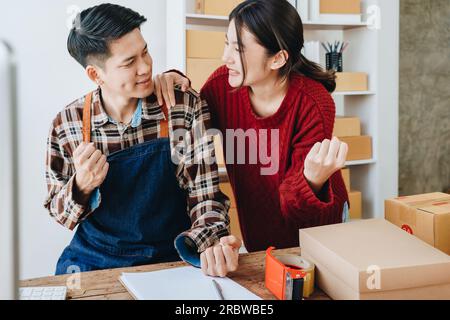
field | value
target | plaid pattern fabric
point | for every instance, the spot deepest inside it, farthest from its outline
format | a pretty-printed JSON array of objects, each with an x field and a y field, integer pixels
[{"x": 196, "y": 169}]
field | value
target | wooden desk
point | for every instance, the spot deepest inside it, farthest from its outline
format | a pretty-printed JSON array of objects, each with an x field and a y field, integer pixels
[{"x": 104, "y": 284}]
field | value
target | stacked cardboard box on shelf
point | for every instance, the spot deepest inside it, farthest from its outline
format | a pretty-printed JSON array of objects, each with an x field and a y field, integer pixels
[
  {"x": 226, "y": 188},
  {"x": 337, "y": 11},
  {"x": 204, "y": 50},
  {"x": 359, "y": 147},
  {"x": 355, "y": 197},
  {"x": 347, "y": 126},
  {"x": 221, "y": 7},
  {"x": 351, "y": 81},
  {"x": 216, "y": 7},
  {"x": 204, "y": 44},
  {"x": 346, "y": 176},
  {"x": 347, "y": 129},
  {"x": 235, "y": 228},
  {"x": 340, "y": 6}
]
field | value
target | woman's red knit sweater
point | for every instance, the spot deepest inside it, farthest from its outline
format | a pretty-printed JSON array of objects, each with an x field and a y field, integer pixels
[{"x": 273, "y": 207}]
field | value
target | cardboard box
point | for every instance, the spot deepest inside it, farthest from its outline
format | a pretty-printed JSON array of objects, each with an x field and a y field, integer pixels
[
  {"x": 340, "y": 6},
  {"x": 216, "y": 7},
  {"x": 235, "y": 228},
  {"x": 374, "y": 259},
  {"x": 218, "y": 148},
  {"x": 351, "y": 81},
  {"x": 200, "y": 6},
  {"x": 199, "y": 70},
  {"x": 204, "y": 44},
  {"x": 347, "y": 126},
  {"x": 355, "y": 198},
  {"x": 359, "y": 147},
  {"x": 225, "y": 187},
  {"x": 346, "y": 177},
  {"x": 426, "y": 216}
]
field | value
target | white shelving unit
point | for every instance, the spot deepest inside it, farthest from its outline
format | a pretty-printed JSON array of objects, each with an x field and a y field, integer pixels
[
  {"x": 222, "y": 21},
  {"x": 352, "y": 93},
  {"x": 374, "y": 51}
]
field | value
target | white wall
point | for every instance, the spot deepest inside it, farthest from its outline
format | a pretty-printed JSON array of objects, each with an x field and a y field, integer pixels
[{"x": 49, "y": 79}]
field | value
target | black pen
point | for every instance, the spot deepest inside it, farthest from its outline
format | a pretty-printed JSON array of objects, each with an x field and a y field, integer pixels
[
  {"x": 218, "y": 289},
  {"x": 331, "y": 47}
]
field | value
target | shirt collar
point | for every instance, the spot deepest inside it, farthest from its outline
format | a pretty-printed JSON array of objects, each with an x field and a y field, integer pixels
[{"x": 148, "y": 108}]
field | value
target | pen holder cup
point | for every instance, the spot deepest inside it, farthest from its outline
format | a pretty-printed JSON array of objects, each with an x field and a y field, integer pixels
[{"x": 334, "y": 61}]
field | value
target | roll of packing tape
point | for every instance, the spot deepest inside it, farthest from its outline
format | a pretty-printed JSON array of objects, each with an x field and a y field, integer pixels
[
  {"x": 298, "y": 262},
  {"x": 283, "y": 270}
]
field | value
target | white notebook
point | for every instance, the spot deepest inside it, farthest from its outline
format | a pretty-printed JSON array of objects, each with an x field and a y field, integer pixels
[{"x": 185, "y": 283}]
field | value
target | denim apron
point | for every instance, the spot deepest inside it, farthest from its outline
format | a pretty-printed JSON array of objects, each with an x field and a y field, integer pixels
[{"x": 142, "y": 210}]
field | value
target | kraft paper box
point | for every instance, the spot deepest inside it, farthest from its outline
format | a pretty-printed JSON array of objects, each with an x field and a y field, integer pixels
[
  {"x": 235, "y": 228},
  {"x": 200, "y": 6},
  {"x": 199, "y": 70},
  {"x": 427, "y": 216},
  {"x": 347, "y": 127},
  {"x": 359, "y": 147},
  {"x": 374, "y": 259},
  {"x": 204, "y": 44},
  {"x": 346, "y": 177},
  {"x": 351, "y": 81},
  {"x": 218, "y": 148},
  {"x": 340, "y": 6},
  {"x": 355, "y": 198},
  {"x": 216, "y": 7}
]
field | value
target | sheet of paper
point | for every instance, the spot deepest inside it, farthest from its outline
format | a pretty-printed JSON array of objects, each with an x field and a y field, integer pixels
[{"x": 185, "y": 283}]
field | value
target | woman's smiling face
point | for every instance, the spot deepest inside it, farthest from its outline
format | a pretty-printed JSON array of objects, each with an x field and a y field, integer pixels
[{"x": 254, "y": 56}]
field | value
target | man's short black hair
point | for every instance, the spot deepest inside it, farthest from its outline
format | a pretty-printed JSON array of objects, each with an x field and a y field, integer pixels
[{"x": 94, "y": 28}]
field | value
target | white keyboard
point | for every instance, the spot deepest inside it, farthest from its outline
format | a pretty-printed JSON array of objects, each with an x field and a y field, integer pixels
[{"x": 42, "y": 293}]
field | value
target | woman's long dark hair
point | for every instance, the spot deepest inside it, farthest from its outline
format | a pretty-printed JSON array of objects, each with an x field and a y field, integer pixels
[{"x": 277, "y": 26}]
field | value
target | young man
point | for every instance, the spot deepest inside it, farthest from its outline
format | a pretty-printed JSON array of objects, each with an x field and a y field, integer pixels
[{"x": 109, "y": 167}]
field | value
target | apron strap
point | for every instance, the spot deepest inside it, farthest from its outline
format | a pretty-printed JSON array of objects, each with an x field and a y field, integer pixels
[
  {"x": 87, "y": 118},
  {"x": 164, "y": 128}
]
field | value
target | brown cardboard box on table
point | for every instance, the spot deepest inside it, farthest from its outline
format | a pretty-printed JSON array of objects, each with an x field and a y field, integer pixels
[
  {"x": 347, "y": 126},
  {"x": 340, "y": 6},
  {"x": 374, "y": 259},
  {"x": 216, "y": 7},
  {"x": 351, "y": 81},
  {"x": 427, "y": 216},
  {"x": 359, "y": 147}
]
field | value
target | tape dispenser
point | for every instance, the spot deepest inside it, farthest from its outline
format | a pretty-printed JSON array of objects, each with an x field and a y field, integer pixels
[{"x": 289, "y": 276}]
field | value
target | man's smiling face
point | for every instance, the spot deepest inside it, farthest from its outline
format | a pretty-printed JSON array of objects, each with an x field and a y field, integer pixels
[{"x": 128, "y": 70}]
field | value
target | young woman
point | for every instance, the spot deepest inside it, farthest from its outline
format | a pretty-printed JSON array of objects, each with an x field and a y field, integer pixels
[{"x": 268, "y": 87}]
